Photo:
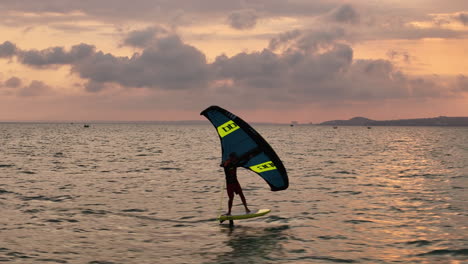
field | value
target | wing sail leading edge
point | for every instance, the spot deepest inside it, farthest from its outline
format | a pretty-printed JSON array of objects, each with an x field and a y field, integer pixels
[{"x": 239, "y": 137}]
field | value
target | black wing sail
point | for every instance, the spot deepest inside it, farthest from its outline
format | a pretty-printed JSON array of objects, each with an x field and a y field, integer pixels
[{"x": 257, "y": 155}]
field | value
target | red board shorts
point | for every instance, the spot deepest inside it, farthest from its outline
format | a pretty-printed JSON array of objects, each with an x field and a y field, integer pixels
[{"x": 233, "y": 188}]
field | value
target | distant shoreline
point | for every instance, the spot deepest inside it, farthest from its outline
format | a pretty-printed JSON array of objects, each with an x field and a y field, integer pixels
[
  {"x": 183, "y": 122},
  {"x": 356, "y": 121},
  {"x": 435, "y": 121}
]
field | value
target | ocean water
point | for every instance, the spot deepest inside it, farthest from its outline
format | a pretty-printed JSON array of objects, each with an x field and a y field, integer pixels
[{"x": 147, "y": 193}]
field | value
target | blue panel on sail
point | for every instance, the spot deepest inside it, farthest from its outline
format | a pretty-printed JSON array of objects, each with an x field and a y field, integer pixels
[{"x": 239, "y": 137}]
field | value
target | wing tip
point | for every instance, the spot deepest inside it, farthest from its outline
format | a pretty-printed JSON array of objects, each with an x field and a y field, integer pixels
[
  {"x": 209, "y": 109},
  {"x": 275, "y": 189}
]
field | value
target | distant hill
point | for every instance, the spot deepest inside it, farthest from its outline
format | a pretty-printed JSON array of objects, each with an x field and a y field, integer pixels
[
  {"x": 435, "y": 121},
  {"x": 355, "y": 121}
]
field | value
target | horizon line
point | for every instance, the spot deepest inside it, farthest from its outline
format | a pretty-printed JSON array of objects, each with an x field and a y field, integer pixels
[
  {"x": 124, "y": 122},
  {"x": 202, "y": 121}
]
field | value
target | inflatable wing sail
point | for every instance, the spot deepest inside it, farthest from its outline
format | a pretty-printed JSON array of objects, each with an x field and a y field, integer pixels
[{"x": 255, "y": 153}]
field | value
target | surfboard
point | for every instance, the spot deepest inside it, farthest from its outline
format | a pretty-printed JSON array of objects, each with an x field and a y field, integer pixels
[{"x": 244, "y": 216}]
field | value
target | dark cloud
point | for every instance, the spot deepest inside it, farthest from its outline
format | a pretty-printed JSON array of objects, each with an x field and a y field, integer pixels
[
  {"x": 143, "y": 38},
  {"x": 308, "y": 41},
  {"x": 7, "y": 49},
  {"x": 344, "y": 14},
  {"x": 462, "y": 82},
  {"x": 36, "y": 88},
  {"x": 305, "y": 73},
  {"x": 322, "y": 66},
  {"x": 167, "y": 64},
  {"x": 243, "y": 19},
  {"x": 13, "y": 82},
  {"x": 296, "y": 73},
  {"x": 55, "y": 55},
  {"x": 463, "y": 18},
  {"x": 255, "y": 70},
  {"x": 373, "y": 79},
  {"x": 92, "y": 86},
  {"x": 318, "y": 39},
  {"x": 283, "y": 39}
]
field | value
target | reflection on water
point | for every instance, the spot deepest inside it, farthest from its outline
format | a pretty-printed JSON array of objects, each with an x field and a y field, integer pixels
[
  {"x": 137, "y": 193},
  {"x": 252, "y": 244}
]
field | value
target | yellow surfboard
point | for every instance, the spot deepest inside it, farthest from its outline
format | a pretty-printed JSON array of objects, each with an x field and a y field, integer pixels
[{"x": 244, "y": 216}]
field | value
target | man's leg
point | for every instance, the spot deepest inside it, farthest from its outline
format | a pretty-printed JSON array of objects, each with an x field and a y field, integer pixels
[
  {"x": 231, "y": 199},
  {"x": 241, "y": 194}
]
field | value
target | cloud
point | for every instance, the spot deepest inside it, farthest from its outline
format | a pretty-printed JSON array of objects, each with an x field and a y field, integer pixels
[
  {"x": 93, "y": 86},
  {"x": 154, "y": 10},
  {"x": 462, "y": 82},
  {"x": 55, "y": 55},
  {"x": 344, "y": 14},
  {"x": 298, "y": 67},
  {"x": 167, "y": 64},
  {"x": 7, "y": 49},
  {"x": 433, "y": 25},
  {"x": 255, "y": 70},
  {"x": 401, "y": 55},
  {"x": 311, "y": 64},
  {"x": 463, "y": 18},
  {"x": 446, "y": 20},
  {"x": 36, "y": 88},
  {"x": 143, "y": 38},
  {"x": 73, "y": 28},
  {"x": 385, "y": 20},
  {"x": 316, "y": 67},
  {"x": 308, "y": 40},
  {"x": 177, "y": 12},
  {"x": 243, "y": 19},
  {"x": 13, "y": 82},
  {"x": 283, "y": 39}
]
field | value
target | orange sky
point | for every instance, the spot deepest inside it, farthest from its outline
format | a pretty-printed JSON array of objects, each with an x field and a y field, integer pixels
[{"x": 310, "y": 62}]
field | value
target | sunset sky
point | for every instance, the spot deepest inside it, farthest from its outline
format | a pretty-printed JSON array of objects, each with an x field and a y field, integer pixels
[{"x": 265, "y": 60}]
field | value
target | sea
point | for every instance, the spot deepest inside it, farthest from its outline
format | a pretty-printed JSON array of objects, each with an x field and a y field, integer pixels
[{"x": 150, "y": 193}]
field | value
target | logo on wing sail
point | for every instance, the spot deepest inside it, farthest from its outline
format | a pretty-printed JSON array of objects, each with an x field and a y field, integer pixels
[
  {"x": 262, "y": 167},
  {"x": 227, "y": 128}
]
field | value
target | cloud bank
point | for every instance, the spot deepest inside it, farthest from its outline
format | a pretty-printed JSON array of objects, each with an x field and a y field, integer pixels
[
  {"x": 298, "y": 66},
  {"x": 312, "y": 61}
]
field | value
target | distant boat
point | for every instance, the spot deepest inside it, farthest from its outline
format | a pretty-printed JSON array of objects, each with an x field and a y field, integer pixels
[
  {"x": 293, "y": 123},
  {"x": 86, "y": 125},
  {"x": 335, "y": 127},
  {"x": 369, "y": 127}
]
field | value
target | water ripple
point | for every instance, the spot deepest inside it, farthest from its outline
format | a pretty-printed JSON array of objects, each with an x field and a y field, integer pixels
[{"x": 129, "y": 193}]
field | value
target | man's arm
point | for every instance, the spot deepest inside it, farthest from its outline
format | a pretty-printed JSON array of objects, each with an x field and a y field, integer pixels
[{"x": 247, "y": 156}]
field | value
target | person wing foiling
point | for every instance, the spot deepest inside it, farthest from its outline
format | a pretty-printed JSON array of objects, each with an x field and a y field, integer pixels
[
  {"x": 242, "y": 146},
  {"x": 232, "y": 184}
]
